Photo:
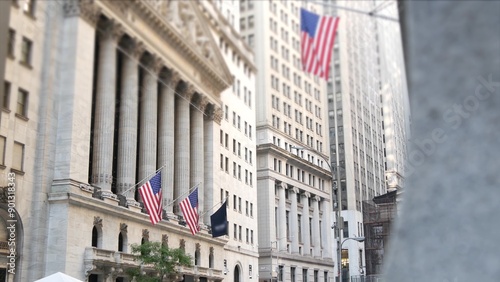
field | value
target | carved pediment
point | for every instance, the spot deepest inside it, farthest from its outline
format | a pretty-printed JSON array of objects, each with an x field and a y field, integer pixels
[{"x": 188, "y": 22}]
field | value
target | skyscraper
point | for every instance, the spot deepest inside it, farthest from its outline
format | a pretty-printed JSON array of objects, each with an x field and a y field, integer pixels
[
  {"x": 367, "y": 107},
  {"x": 293, "y": 176}
]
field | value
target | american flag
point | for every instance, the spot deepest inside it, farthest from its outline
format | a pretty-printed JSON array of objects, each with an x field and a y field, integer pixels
[
  {"x": 189, "y": 208},
  {"x": 316, "y": 42},
  {"x": 151, "y": 196}
]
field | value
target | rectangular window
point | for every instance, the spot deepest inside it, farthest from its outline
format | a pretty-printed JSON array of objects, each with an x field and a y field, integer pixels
[
  {"x": 251, "y": 209},
  {"x": 26, "y": 51},
  {"x": 2, "y": 150},
  {"x": 22, "y": 103},
  {"x": 12, "y": 43},
  {"x": 234, "y": 202},
  {"x": 239, "y": 232},
  {"x": 18, "y": 156},
  {"x": 6, "y": 95},
  {"x": 235, "y": 233}
]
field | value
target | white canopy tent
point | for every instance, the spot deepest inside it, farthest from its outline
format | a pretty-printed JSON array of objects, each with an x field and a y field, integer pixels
[{"x": 58, "y": 277}]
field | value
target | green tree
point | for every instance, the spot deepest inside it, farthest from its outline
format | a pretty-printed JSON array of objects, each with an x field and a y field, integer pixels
[{"x": 159, "y": 258}]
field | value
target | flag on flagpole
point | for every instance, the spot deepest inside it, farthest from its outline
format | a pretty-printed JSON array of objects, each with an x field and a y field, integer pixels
[
  {"x": 189, "y": 208},
  {"x": 151, "y": 196},
  {"x": 218, "y": 221},
  {"x": 316, "y": 42}
]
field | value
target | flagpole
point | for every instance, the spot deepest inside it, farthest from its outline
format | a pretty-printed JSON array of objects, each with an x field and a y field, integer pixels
[
  {"x": 219, "y": 203},
  {"x": 371, "y": 13},
  {"x": 182, "y": 195},
  {"x": 135, "y": 185}
]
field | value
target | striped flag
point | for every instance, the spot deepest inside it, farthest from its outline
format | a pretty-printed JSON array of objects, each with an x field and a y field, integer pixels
[
  {"x": 151, "y": 196},
  {"x": 316, "y": 42},
  {"x": 189, "y": 208}
]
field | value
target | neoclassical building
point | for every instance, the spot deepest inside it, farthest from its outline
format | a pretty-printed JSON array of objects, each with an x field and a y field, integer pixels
[{"x": 112, "y": 92}]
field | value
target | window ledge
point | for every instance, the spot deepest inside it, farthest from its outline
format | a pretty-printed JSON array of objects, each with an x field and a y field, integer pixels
[
  {"x": 18, "y": 172},
  {"x": 11, "y": 56},
  {"x": 2, "y": 166},
  {"x": 5, "y": 110},
  {"x": 22, "y": 117},
  {"x": 26, "y": 65}
]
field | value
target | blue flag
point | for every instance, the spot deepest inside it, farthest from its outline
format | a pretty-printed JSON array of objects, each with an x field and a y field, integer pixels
[{"x": 218, "y": 220}]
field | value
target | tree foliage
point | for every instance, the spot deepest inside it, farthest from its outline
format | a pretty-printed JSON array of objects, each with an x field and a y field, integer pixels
[{"x": 156, "y": 256}]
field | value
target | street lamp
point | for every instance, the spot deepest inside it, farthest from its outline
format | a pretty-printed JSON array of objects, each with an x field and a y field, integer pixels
[
  {"x": 339, "y": 221},
  {"x": 359, "y": 239}
]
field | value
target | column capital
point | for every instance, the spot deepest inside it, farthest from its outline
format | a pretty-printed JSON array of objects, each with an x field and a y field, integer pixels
[
  {"x": 214, "y": 113},
  {"x": 154, "y": 63},
  {"x": 134, "y": 48},
  {"x": 316, "y": 198},
  {"x": 306, "y": 195},
  {"x": 201, "y": 102},
  {"x": 295, "y": 190},
  {"x": 171, "y": 78},
  {"x": 109, "y": 29},
  {"x": 82, "y": 8},
  {"x": 187, "y": 91}
]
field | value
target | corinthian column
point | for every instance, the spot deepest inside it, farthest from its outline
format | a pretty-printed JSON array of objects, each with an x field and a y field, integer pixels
[
  {"x": 282, "y": 232},
  {"x": 197, "y": 146},
  {"x": 305, "y": 224},
  {"x": 326, "y": 235},
  {"x": 212, "y": 151},
  {"x": 166, "y": 137},
  {"x": 148, "y": 118},
  {"x": 182, "y": 144},
  {"x": 315, "y": 227},
  {"x": 127, "y": 126},
  {"x": 104, "y": 114},
  {"x": 294, "y": 221}
]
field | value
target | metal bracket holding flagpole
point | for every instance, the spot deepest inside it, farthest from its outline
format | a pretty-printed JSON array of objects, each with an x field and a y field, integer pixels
[{"x": 372, "y": 13}]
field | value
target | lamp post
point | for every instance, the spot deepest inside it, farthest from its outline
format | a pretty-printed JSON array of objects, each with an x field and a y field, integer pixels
[
  {"x": 359, "y": 239},
  {"x": 339, "y": 221}
]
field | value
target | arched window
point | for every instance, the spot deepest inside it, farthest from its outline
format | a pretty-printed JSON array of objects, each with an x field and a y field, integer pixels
[
  {"x": 211, "y": 258},
  {"x": 197, "y": 255},
  {"x": 122, "y": 242},
  {"x": 96, "y": 237},
  {"x": 236, "y": 274}
]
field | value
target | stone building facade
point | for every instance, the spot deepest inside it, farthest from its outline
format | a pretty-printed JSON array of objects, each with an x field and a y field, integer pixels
[
  {"x": 293, "y": 175},
  {"x": 101, "y": 94}
]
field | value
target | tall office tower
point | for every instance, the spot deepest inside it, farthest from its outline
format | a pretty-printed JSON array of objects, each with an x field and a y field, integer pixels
[
  {"x": 100, "y": 95},
  {"x": 394, "y": 95},
  {"x": 238, "y": 183},
  {"x": 293, "y": 176},
  {"x": 367, "y": 76}
]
